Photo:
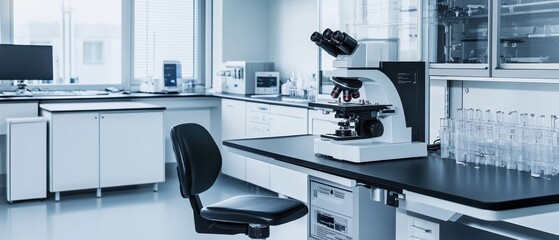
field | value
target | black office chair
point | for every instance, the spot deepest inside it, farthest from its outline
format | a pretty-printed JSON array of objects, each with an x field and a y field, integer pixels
[{"x": 199, "y": 164}]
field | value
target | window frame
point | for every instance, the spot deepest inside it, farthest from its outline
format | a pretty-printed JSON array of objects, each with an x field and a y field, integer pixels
[
  {"x": 127, "y": 83},
  {"x": 201, "y": 53}
]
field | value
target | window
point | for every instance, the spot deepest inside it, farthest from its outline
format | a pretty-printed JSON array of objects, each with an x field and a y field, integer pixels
[
  {"x": 93, "y": 52},
  {"x": 88, "y": 35},
  {"x": 167, "y": 30},
  {"x": 78, "y": 30}
]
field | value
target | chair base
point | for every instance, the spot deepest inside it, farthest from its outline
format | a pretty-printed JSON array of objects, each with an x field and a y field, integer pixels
[{"x": 258, "y": 231}]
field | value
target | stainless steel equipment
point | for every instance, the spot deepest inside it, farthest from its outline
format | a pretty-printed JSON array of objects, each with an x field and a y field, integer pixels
[
  {"x": 239, "y": 76},
  {"x": 347, "y": 213}
]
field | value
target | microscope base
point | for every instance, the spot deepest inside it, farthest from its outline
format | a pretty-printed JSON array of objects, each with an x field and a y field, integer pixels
[{"x": 367, "y": 150}]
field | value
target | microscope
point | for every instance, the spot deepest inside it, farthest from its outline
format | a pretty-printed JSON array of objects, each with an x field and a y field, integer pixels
[{"x": 374, "y": 127}]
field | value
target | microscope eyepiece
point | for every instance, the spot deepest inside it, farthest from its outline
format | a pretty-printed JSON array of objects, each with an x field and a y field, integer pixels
[
  {"x": 328, "y": 34},
  {"x": 317, "y": 38},
  {"x": 344, "y": 42}
]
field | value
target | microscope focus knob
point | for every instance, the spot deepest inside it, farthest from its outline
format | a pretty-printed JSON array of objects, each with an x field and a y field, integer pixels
[{"x": 376, "y": 128}]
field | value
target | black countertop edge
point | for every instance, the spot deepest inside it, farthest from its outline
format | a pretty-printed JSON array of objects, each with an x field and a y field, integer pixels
[
  {"x": 397, "y": 186},
  {"x": 117, "y": 96}
]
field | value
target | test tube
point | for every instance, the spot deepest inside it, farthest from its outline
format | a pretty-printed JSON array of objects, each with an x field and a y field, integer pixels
[
  {"x": 460, "y": 136},
  {"x": 555, "y": 144},
  {"x": 444, "y": 135},
  {"x": 501, "y": 137},
  {"x": 489, "y": 139},
  {"x": 514, "y": 144},
  {"x": 470, "y": 135},
  {"x": 478, "y": 145},
  {"x": 546, "y": 161},
  {"x": 451, "y": 136},
  {"x": 524, "y": 143}
]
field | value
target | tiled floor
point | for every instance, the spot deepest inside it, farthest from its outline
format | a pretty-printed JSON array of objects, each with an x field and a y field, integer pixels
[{"x": 126, "y": 213}]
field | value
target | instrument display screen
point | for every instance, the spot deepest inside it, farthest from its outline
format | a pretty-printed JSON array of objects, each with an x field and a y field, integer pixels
[{"x": 264, "y": 82}]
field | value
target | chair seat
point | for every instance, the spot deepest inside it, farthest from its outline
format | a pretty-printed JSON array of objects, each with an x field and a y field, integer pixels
[{"x": 256, "y": 210}]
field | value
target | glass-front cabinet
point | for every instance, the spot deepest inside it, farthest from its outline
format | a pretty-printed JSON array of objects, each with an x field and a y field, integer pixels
[
  {"x": 459, "y": 37},
  {"x": 528, "y": 39},
  {"x": 494, "y": 38},
  {"x": 392, "y": 27}
]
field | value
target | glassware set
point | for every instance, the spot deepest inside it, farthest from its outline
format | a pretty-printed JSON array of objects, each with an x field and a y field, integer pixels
[{"x": 524, "y": 142}]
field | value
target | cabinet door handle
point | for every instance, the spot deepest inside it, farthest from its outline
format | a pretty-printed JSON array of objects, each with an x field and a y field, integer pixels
[
  {"x": 95, "y": 117},
  {"x": 102, "y": 117},
  {"x": 422, "y": 229}
]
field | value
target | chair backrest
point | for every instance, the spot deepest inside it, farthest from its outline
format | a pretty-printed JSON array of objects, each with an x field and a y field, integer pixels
[{"x": 198, "y": 158}]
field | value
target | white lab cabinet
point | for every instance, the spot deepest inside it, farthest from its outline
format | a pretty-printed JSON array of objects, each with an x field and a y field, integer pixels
[
  {"x": 74, "y": 151},
  {"x": 130, "y": 143},
  {"x": 258, "y": 126},
  {"x": 27, "y": 170},
  {"x": 258, "y": 173},
  {"x": 286, "y": 121},
  {"x": 96, "y": 145},
  {"x": 233, "y": 127},
  {"x": 265, "y": 120},
  {"x": 289, "y": 182},
  {"x": 322, "y": 123},
  {"x": 178, "y": 110},
  {"x": 16, "y": 110},
  {"x": 13, "y": 110},
  {"x": 242, "y": 119}
]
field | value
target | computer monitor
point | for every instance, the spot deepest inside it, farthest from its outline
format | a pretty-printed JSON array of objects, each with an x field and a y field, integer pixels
[{"x": 25, "y": 62}]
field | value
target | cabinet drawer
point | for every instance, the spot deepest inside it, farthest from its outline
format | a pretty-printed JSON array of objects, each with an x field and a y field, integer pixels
[
  {"x": 258, "y": 113},
  {"x": 288, "y": 182},
  {"x": 288, "y": 111},
  {"x": 422, "y": 229}
]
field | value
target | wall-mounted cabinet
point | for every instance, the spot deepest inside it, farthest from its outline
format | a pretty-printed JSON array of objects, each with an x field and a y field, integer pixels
[
  {"x": 526, "y": 39},
  {"x": 459, "y": 37},
  {"x": 500, "y": 39}
]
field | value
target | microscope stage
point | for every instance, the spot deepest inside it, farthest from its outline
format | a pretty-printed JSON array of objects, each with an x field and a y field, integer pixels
[{"x": 351, "y": 107}]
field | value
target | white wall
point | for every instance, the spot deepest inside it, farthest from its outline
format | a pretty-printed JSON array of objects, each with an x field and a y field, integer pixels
[
  {"x": 522, "y": 97},
  {"x": 290, "y": 26},
  {"x": 240, "y": 32},
  {"x": 245, "y": 33},
  {"x": 265, "y": 30}
]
